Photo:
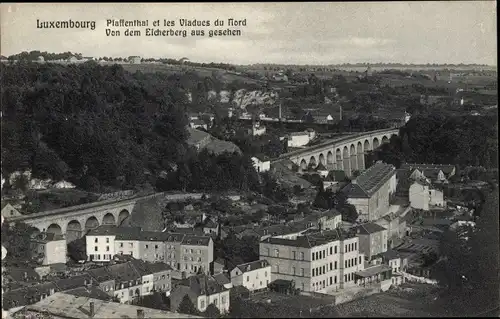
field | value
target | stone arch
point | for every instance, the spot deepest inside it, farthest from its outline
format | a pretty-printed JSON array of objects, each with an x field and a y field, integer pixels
[
  {"x": 329, "y": 158},
  {"x": 124, "y": 214},
  {"x": 366, "y": 146},
  {"x": 73, "y": 230},
  {"x": 35, "y": 230},
  {"x": 353, "y": 153},
  {"x": 54, "y": 229},
  {"x": 303, "y": 164},
  {"x": 360, "y": 157},
  {"x": 339, "y": 159},
  {"x": 91, "y": 223},
  {"x": 312, "y": 161},
  {"x": 385, "y": 139},
  {"x": 392, "y": 135},
  {"x": 346, "y": 160},
  {"x": 376, "y": 143},
  {"x": 108, "y": 219},
  {"x": 322, "y": 159}
]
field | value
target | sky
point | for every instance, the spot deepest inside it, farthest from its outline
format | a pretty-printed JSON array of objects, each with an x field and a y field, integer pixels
[{"x": 282, "y": 33}]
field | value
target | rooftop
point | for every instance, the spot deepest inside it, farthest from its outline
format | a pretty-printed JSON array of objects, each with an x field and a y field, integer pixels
[
  {"x": 369, "y": 228},
  {"x": 254, "y": 265},
  {"x": 71, "y": 306},
  {"x": 372, "y": 271},
  {"x": 203, "y": 285},
  {"x": 446, "y": 168},
  {"x": 312, "y": 239},
  {"x": 370, "y": 180}
]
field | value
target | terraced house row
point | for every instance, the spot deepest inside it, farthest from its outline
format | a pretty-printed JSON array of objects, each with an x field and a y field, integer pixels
[
  {"x": 187, "y": 254},
  {"x": 125, "y": 281}
]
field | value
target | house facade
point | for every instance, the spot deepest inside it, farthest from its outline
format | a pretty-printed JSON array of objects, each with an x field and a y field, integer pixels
[
  {"x": 321, "y": 262},
  {"x": 9, "y": 211},
  {"x": 372, "y": 239},
  {"x": 423, "y": 196},
  {"x": 254, "y": 276},
  {"x": 186, "y": 253},
  {"x": 298, "y": 139},
  {"x": 261, "y": 164},
  {"x": 49, "y": 248},
  {"x": 370, "y": 192}
]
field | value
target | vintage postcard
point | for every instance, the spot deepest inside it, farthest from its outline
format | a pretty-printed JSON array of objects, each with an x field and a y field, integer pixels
[{"x": 241, "y": 160}]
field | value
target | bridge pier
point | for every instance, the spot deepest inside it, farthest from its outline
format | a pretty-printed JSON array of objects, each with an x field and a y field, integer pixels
[
  {"x": 361, "y": 161},
  {"x": 354, "y": 162}
]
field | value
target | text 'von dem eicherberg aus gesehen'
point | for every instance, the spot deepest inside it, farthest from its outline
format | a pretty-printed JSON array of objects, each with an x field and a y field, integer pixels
[{"x": 175, "y": 28}]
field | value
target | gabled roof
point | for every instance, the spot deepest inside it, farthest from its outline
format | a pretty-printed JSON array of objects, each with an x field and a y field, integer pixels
[
  {"x": 203, "y": 285},
  {"x": 446, "y": 168},
  {"x": 370, "y": 180},
  {"x": 369, "y": 228},
  {"x": 222, "y": 279},
  {"x": 253, "y": 265},
  {"x": 336, "y": 176}
]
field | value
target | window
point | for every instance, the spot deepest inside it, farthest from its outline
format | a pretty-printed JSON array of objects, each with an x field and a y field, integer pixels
[
  {"x": 278, "y": 268},
  {"x": 96, "y": 240},
  {"x": 293, "y": 255},
  {"x": 190, "y": 251},
  {"x": 121, "y": 244},
  {"x": 345, "y": 262},
  {"x": 156, "y": 246},
  {"x": 302, "y": 271},
  {"x": 96, "y": 248},
  {"x": 199, "y": 251},
  {"x": 313, "y": 256},
  {"x": 331, "y": 250},
  {"x": 267, "y": 252},
  {"x": 276, "y": 253},
  {"x": 355, "y": 261},
  {"x": 147, "y": 246},
  {"x": 265, "y": 274},
  {"x": 215, "y": 302},
  {"x": 224, "y": 298},
  {"x": 331, "y": 266},
  {"x": 107, "y": 248},
  {"x": 293, "y": 270},
  {"x": 335, "y": 265},
  {"x": 202, "y": 304},
  {"x": 248, "y": 278},
  {"x": 335, "y": 249},
  {"x": 324, "y": 269},
  {"x": 131, "y": 245},
  {"x": 331, "y": 280},
  {"x": 107, "y": 240},
  {"x": 359, "y": 259},
  {"x": 301, "y": 256},
  {"x": 335, "y": 279}
]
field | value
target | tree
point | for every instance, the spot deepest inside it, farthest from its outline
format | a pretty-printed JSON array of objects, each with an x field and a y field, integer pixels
[
  {"x": 16, "y": 239},
  {"x": 157, "y": 300},
  {"x": 187, "y": 307},
  {"x": 212, "y": 311},
  {"x": 77, "y": 249}
]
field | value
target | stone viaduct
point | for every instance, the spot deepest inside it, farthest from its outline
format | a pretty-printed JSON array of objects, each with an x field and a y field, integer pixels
[
  {"x": 75, "y": 221},
  {"x": 344, "y": 153}
]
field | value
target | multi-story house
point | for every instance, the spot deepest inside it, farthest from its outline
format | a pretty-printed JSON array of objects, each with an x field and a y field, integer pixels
[
  {"x": 321, "y": 261},
  {"x": 186, "y": 253},
  {"x": 423, "y": 196},
  {"x": 255, "y": 275},
  {"x": 370, "y": 192},
  {"x": 49, "y": 248},
  {"x": 372, "y": 239},
  {"x": 203, "y": 290},
  {"x": 433, "y": 172}
]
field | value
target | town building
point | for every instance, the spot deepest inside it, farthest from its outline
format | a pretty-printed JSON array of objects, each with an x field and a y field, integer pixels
[
  {"x": 372, "y": 239},
  {"x": 334, "y": 180},
  {"x": 254, "y": 276},
  {"x": 202, "y": 290},
  {"x": 9, "y": 211},
  {"x": 371, "y": 191},
  {"x": 261, "y": 164},
  {"x": 186, "y": 253},
  {"x": 318, "y": 261},
  {"x": 396, "y": 260},
  {"x": 72, "y": 306},
  {"x": 49, "y": 248},
  {"x": 423, "y": 196},
  {"x": 299, "y": 139},
  {"x": 134, "y": 59},
  {"x": 433, "y": 172},
  {"x": 196, "y": 123}
]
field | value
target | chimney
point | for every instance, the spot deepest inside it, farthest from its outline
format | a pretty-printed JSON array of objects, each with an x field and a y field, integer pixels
[
  {"x": 91, "y": 310},
  {"x": 140, "y": 313}
]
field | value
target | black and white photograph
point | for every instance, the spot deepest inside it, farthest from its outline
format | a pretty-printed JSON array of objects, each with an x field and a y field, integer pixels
[{"x": 249, "y": 160}]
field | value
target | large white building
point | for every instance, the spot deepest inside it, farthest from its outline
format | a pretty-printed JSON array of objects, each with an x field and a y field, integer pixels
[
  {"x": 423, "y": 196},
  {"x": 261, "y": 164},
  {"x": 186, "y": 253},
  {"x": 370, "y": 192},
  {"x": 255, "y": 275},
  {"x": 49, "y": 248},
  {"x": 317, "y": 261},
  {"x": 299, "y": 139}
]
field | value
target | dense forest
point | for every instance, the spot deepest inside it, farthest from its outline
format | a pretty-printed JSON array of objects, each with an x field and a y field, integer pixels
[
  {"x": 441, "y": 139},
  {"x": 95, "y": 125}
]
